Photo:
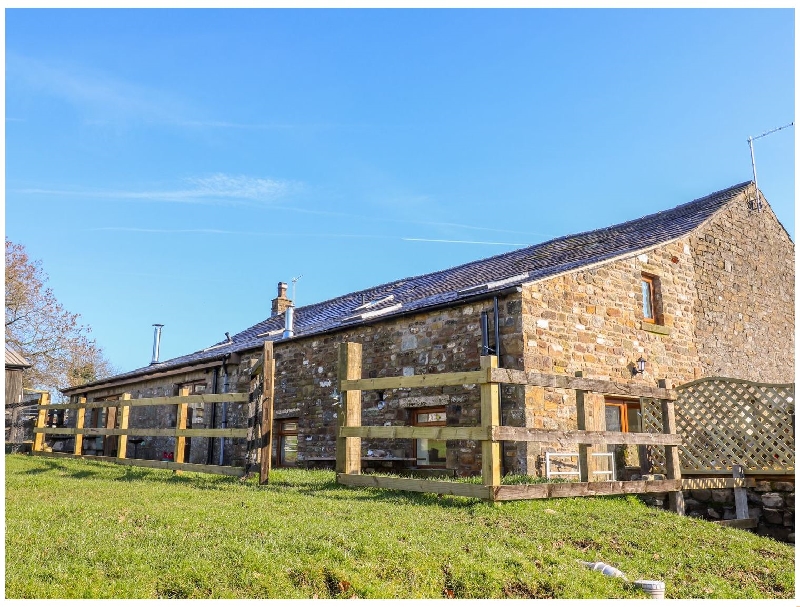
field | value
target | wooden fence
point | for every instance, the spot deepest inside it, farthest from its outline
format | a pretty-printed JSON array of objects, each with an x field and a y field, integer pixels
[
  {"x": 20, "y": 420},
  {"x": 123, "y": 406},
  {"x": 728, "y": 422},
  {"x": 591, "y": 434},
  {"x": 258, "y": 432}
]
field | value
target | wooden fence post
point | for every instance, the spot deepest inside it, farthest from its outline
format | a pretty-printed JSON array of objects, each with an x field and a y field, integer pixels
[
  {"x": 79, "y": 419},
  {"x": 38, "y": 439},
  {"x": 673, "y": 465},
  {"x": 180, "y": 424},
  {"x": 267, "y": 409},
  {"x": 490, "y": 416},
  {"x": 122, "y": 443},
  {"x": 110, "y": 441},
  {"x": 348, "y": 450},
  {"x": 740, "y": 494},
  {"x": 591, "y": 416}
]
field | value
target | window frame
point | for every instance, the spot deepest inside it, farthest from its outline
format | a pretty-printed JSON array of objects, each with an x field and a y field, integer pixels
[
  {"x": 280, "y": 434},
  {"x": 651, "y": 288},
  {"x": 624, "y": 405},
  {"x": 415, "y": 413}
]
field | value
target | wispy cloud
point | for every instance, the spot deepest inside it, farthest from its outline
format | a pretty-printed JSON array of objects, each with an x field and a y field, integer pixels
[
  {"x": 255, "y": 192},
  {"x": 216, "y": 232},
  {"x": 98, "y": 95},
  {"x": 106, "y": 100},
  {"x": 260, "y": 126},
  {"x": 441, "y": 240},
  {"x": 219, "y": 188}
]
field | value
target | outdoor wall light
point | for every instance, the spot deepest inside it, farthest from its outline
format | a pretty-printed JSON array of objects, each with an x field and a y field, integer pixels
[{"x": 640, "y": 366}]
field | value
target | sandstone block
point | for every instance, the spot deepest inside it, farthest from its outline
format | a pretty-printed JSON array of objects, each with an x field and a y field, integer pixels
[
  {"x": 689, "y": 503},
  {"x": 782, "y": 486},
  {"x": 704, "y": 495},
  {"x": 722, "y": 496},
  {"x": 772, "y": 500},
  {"x": 729, "y": 514}
]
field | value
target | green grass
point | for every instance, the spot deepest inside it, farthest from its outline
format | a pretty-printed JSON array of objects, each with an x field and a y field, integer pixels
[{"x": 77, "y": 529}]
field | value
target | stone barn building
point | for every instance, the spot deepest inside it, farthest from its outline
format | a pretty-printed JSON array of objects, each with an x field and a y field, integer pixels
[{"x": 703, "y": 289}]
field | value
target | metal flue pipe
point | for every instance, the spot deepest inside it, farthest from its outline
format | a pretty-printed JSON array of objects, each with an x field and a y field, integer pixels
[
  {"x": 289, "y": 327},
  {"x": 156, "y": 342}
]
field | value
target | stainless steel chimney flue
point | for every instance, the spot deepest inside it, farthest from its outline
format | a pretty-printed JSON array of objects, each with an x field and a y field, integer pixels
[
  {"x": 156, "y": 342},
  {"x": 288, "y": 330}
]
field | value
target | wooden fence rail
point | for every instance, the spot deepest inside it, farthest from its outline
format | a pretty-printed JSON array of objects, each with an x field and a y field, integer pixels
[
  {"x": 180, "y": 432},
  {"x": 258, "y": 433},
  {"x": 591, "y": 432}
]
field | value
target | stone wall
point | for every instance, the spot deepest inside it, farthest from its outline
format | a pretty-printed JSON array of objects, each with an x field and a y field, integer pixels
[
  {"x": 592, "y": 321},
  {"x": 441, "y": 341},
  {"x": 770, "y": 502},
  {"x": 165, "y": 416},
  {"x": 744, "y": 268}
]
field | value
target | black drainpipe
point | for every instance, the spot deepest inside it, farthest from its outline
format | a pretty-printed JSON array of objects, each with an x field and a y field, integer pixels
[
  {"x": 496, "y": 330},
  {"x": 212, "y": 417}
]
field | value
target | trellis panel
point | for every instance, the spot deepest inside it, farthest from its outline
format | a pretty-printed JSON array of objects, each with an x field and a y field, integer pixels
[{"x": 728, "y": 421}]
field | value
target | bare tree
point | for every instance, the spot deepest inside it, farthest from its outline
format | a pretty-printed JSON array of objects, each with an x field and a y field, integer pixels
[{"x": 50, "y": 337}]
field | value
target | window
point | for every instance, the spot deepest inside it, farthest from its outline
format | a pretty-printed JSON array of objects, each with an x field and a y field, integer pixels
[
  {"x": 287, "y": 442},
  {"x": 648, "y": 299},
  {"x": 626, "y": 416},
  {"x": 623, "y": 415},
  {"x": 428, "y": 452},
  {"x": 196, "y": 388}
]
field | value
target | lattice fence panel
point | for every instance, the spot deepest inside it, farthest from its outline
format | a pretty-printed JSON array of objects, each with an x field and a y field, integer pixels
[
  {"x": 651, "y": 422},
  {"x": 729, "y": 421}
]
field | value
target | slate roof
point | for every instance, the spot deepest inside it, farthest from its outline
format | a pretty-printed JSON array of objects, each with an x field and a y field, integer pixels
[
  {"x": 15, "y": 360},
  {"x": 484, "y": 276}
]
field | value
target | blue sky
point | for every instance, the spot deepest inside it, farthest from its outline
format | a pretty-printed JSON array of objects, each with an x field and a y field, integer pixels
[{"x": 173, "y": 165}]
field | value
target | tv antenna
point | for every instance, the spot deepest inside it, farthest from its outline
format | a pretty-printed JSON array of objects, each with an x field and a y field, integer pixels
[
  {"x": 294, "y": 287},
  {"x": 750, "y": 141}
]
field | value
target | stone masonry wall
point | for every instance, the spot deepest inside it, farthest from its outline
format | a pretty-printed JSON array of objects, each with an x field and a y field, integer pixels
[
  {"x": 591, "y": 321},
  {"x": 770, "y": 502},
  {"x": 744, "y": 268},
  {"x": 441, "y": 341},
  {"x": 165, "y": 416}
]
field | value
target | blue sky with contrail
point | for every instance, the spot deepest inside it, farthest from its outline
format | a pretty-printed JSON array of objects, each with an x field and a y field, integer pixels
[{"x": 173, "y": 165}]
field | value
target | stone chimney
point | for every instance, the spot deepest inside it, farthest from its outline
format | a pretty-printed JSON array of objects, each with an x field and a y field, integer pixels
[{"x": 281, "y": 302}]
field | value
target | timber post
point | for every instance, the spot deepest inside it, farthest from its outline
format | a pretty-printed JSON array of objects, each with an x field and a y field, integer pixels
[
  {"x": 267, "y": 411},
  {"x": 673, "y": 466},
  {"x": 110, "y": 441},
  {"x": 490, "y": 416},
  {"x": 348, "y": 450},
  {"x": 79, "y": 420},
  {"x": 41, "y": 420},
  {"x": 591, "y": 416},
  {"x": 125, "y": 413},
  {"x": 740, "y": 494},
  {"x": 180, "y": 424}
]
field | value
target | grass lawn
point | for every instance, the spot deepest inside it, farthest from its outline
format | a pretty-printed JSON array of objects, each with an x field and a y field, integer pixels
[{"x": 96, "y": 530}]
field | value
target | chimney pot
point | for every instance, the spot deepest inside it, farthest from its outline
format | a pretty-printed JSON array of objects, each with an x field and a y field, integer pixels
[{"x": 281, "y": 302}]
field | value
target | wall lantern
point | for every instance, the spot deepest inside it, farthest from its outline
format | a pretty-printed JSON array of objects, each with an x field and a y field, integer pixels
[{"x": 640, "y": 366}]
